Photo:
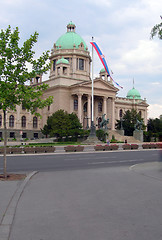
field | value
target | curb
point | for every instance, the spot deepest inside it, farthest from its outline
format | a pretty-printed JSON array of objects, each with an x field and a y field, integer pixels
[{"x": 7, "y": 220}]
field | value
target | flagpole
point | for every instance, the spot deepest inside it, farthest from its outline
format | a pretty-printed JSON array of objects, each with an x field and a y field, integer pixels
[
  {"x": 93, "y": 129},
  {"x": 92, "y": 87}
]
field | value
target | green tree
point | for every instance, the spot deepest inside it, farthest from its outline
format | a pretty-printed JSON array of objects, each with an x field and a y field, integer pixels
[
  {"x": 128, "y": 122},
  {"x": 157, "y": 30},
  {"x": 154, "y": 129},
  {"x": 15, "y": 74},
  {"x": 61, "y": 124}
]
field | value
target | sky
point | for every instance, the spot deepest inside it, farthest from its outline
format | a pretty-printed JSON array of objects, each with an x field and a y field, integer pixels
[{"x": 120, "y": 28}]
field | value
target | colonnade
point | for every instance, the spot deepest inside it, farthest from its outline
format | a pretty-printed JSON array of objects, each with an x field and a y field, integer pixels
[{"x": 108, "y": 108}]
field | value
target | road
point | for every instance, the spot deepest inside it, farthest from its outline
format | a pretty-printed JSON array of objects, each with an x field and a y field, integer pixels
[
  {"x": 70, "y": 161},
  {"x": 104, "y": 198}
]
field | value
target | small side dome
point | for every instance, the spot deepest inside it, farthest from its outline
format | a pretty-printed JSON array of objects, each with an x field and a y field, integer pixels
[
  {"x": 62, "y": 60},
  {"x": 133, "y": 94},
  {"x": 102, "y": 70}
]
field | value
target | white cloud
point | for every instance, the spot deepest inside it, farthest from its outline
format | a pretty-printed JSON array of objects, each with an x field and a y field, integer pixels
[
  {"x": 12, "y": 3},
  {"x": 106, "y": 3},
  {"x": 155, "y": 83},
  {"x": 144, "y": 58},
  {"x": 154, "y": 110}
]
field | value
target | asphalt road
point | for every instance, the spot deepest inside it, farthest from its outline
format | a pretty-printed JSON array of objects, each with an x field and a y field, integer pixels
[{"x": 70, "y": 161}]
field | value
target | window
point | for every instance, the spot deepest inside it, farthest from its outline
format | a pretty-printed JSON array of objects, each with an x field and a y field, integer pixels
[
  {"x": 35, "y": 135},
  {"x": 140, "y": 113},
  {"x": 80, "y": 63},
  {"x": 120, "y": 113},
  {"x": 64, "y": 70},
  {"x": 35, "y": 122},
  {"x": 11, "y": 121},
  {"x": 23, "y": 121},
  {"x": 75, "y": 104},
  {"x": 1, "y": 136},
  {"x": 24, "y": 135},
  {"x": 0, "y": 120},
  {"x": 12, "y": 135},
  {"x": 85, "y": 107},
  {"x": 100, "y": 106},
  {"x": 48, "y": 108},
  {"x": 54, "y": 65}
]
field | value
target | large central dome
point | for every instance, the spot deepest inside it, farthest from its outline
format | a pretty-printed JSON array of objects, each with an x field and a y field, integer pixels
[{"x": 70, "y": 39}]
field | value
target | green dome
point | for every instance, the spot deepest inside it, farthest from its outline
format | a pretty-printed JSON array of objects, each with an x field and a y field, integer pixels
[
  {"x": 62, "y": 60},
  {"x": 133, "y": 94},
  {"x": 70, "y": 38},
  {"x": 102, "y": 70}
]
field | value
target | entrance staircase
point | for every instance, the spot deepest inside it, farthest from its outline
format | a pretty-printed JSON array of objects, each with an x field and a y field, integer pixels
[{"x": 118, "y": 137}]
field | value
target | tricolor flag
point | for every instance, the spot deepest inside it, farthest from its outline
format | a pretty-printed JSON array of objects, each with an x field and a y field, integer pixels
[{"x": 102, "y": 58}]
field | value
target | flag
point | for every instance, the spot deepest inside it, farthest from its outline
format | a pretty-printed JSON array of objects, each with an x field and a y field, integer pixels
[{"x": 102, "y": 58}]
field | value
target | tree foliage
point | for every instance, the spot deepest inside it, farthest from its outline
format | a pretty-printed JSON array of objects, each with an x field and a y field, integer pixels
[
  {"x": 14, "y": 72},
  {"x": 154, "y": 130},
  {"x": 61, "y": 124},
  {"x": 128, "y": 122},
  {"x": 15, "y": 62},
  {"x": 157, "y": 30}
]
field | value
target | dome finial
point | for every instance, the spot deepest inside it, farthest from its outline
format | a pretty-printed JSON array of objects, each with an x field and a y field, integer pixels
[{"x": 71, "y": 27}]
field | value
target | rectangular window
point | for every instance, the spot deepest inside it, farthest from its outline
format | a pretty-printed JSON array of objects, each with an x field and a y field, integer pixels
[
  {"x": 1, "y": 136},
  {"x": 24, "y": 135},
  {"x": 75, "y": 104},
  {"x": 81, "y": 64},
  {"x": 35, "y": 135},
  {"x": 12, "y": 135},
  {"x": 54, "y": 65}
]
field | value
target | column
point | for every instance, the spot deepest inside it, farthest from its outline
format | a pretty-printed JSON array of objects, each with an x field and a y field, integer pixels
[
  {"x": 105, "y": 106},
  {"x": 80, "y": 107},
  {"x": 71, "y": 104},
  {"x": 89, "y": 110},
  {"x": 113, "y": 114}
]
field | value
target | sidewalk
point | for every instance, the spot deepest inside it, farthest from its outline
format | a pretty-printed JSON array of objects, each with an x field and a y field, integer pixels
[{"x": 10, "y": 193}]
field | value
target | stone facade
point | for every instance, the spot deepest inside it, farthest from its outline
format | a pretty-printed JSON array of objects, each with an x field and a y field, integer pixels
[{"x": 70, "y": 85}]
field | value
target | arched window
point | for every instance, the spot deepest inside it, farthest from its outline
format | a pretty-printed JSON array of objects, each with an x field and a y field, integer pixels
[
  {"x": 100, "y": 106},
  {"x": 0, "y": 120},
  {"x": 35, "y": 122},
  {"x": 23, "y": 121},
  {"x": 11, "y": 121},
  {"x": 120, "y": 113}
]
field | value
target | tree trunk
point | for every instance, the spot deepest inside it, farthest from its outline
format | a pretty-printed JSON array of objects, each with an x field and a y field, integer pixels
[{"x": 5, "y": 145}]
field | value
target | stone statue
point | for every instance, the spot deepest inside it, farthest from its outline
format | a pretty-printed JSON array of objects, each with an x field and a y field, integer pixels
[
  {"x": 121, "y": 121},
  {"x": 104, "y": 122},
  {"x": 138, "y": 125}
]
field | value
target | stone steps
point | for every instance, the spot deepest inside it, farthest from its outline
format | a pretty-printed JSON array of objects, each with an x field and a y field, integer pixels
[{"x": 118, "y": 137}]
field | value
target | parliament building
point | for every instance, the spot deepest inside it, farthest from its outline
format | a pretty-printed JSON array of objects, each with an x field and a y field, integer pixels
[{"x": 70, "y": 85}]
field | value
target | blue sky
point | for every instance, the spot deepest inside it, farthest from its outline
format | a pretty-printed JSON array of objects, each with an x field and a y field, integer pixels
[{"x": 121, "y": 29}]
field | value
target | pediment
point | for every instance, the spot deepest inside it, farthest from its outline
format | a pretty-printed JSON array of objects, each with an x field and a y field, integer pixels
[{"x": 98, "y": 84}]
